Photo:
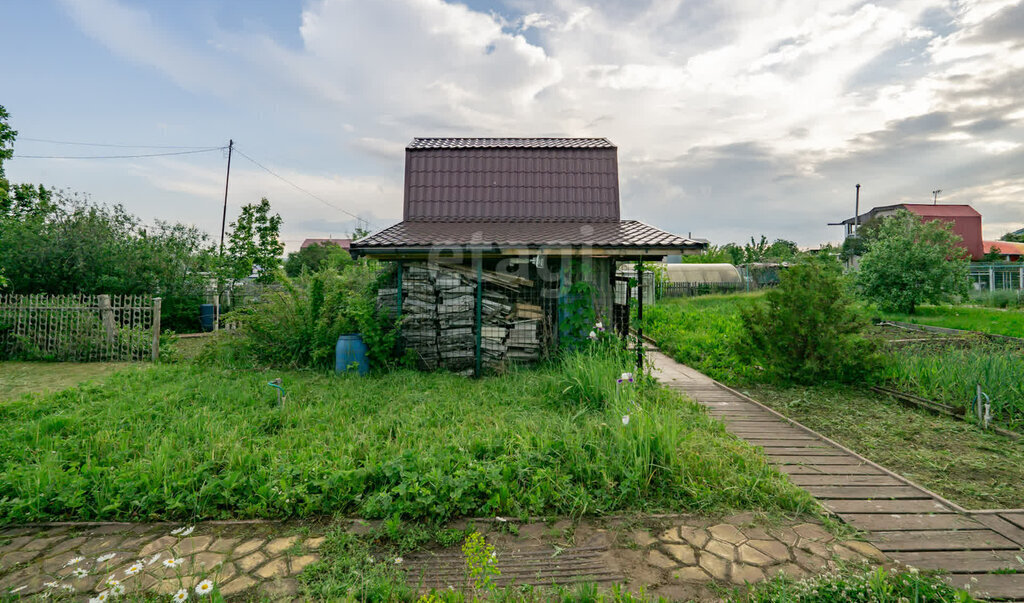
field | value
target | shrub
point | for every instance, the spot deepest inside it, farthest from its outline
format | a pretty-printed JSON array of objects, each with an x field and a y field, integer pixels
[
  {"x": 807, "y": 329},
  {"x": 299, "y": 325},
  {"x": 855, "y": 586},
  {"x": 587, "y": 374}
]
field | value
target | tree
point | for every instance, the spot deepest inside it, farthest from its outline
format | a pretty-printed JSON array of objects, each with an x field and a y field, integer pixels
[
  {"x": 807, "y": 329},
  {"x": 909, "y": 262},
  {"x": 1013, "y": 237},
  {"x": 359, "y": 232},
  {"x": 315, "y": 257},
  {"x": 7, "y": 137},
  {"x": 254, "y": 243}
]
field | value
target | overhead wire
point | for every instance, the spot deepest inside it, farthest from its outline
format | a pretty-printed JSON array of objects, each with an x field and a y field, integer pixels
[
  {"x": 297, "y": 187},
  {"x": 102, "y": 144},
  {"x": 118, "y": 156}
]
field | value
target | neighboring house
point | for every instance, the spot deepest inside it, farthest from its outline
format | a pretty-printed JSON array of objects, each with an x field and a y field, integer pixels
[
  {"x": 966, "y": 221},
  {"x": 543, "y": 210},
  {"x": 343, "y": 243},
  {"x": 1010, "y": 252}
]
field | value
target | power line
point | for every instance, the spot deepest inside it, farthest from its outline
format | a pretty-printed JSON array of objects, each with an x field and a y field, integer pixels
[
  {"x": 117, "y": 156},
  {"x": 99, "y": 144},
  {"x": 297, "y": 187}
]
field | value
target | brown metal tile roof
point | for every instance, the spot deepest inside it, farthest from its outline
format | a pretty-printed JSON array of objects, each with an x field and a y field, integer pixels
[
  {"x": 515, "y": 183},
  {"x": 510, "y": 143},
  {"x": 488, "y": 235}
]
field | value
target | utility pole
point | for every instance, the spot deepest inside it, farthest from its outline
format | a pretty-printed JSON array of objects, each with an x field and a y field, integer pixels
[
  {"x": 227, "y": 178},
  {"x": 935, "y": 196},
  {"x": 856, "y": 212}
]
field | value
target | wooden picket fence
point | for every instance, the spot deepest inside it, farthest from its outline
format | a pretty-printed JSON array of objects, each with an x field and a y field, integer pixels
[{"x": 80, "y": 328}]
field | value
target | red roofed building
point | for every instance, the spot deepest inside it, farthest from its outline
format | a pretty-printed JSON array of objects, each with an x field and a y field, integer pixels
[
  {"x": 1011, "y": 252},
  {"x": 965, "y": 219}
]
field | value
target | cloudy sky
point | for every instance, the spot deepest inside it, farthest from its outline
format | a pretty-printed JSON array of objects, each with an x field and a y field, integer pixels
[{"x": 732, "y": 118}]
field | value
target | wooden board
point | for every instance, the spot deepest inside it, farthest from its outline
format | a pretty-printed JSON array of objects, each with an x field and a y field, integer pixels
[
  {"x": 798, "y": 450},
  {"x": 996, "y": 586},
  {"x": 830, "y": 470},
  {"x": 939, "y": 540},
  {"x": 912, "y": 521},
  {"x": 1002, "y": 526},
  {"x": 845, "y": 480},
  {"x": 774, "y": 434},
  {"x": 961, "y": 561},
  {"x": 844, "y": 506},
  {"x": 866, "y": 492},
  {"x": 1015, "y": 518},
  {"x": 814, "y": 459}
]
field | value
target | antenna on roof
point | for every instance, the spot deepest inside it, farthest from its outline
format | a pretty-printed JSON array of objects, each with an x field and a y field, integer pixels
[
  {"x": 856, "y": 212},
  {"x": 935, "y": 196}
]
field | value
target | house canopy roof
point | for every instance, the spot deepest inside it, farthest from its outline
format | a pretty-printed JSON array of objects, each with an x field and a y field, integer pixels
[
  {"x": 516, "y": 195},
  {"x": 921, "y": 209}
]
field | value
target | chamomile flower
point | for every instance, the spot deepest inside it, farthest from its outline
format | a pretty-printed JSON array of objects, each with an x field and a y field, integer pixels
[
  {"x": 74, "y": 561},
  {"x": 181, "y": 595},
  {"x": 116, "y": 588},
  {"x": 153, "y": 559},
  {"x": 67, "y": 587},
  {"x": 134, "y": 569},
  {"x": 398, "y": 560},
  {"x": 50, "y": 584},
  {"x": 106, "y": 557},
  {"x": 625, "y": 420},
  {"x": 182, "y": 531},
  {"x": 204, "y": 588},
  {"x": 80, "y": 572},
  {"x": 173, "y": 562},
  {"x": 100, "y": 598}
]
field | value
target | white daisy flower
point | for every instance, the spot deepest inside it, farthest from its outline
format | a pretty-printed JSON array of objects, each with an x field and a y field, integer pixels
[
  {"x": 74, "y": 561},
  {"x": 625, "y": 419},
  {"x": 398, "y": 560},
  {"x": 153, "y": 559},
  {"x": 173, "y": 562},
  {"x": 117, "y": 590},
  {"x": 50, "y": 584},
  {"x": 19, "y": 589},
  {"x": 134, "y": 569},
  {"x": 68, "y": 587},
  {"x": 100, "y": 598},
  {"x": 181, "y": 595},
  {"x": 204, "y": 588},
  {"x": 182, "y": 531},
  {"x": 80, "y": 572},
  {"x": 106, "y": 557}
]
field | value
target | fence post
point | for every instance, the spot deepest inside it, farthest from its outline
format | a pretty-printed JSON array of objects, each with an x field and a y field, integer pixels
[
  {"x": 107, "y": 317},
  {"x": 398, "y": 290},
  {"x": 156, "y": 328},
  {"x": 640, "y": 316}
]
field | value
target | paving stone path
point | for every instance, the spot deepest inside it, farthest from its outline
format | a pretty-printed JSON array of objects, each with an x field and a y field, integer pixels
[
  {"x": 910, "y": 524},
  {"x": 154, "y": 558}
]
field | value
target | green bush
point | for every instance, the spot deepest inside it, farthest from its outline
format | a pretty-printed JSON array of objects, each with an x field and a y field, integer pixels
[
  {"x": 807, "y": 330},
  {"x": 298, "y": 325},
  {"x": 587, "y": 373},
  {"x": 879, "y": 584}
]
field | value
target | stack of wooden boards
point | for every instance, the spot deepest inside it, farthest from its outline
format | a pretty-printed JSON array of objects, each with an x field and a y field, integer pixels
[{"x": 439, "y": 317}]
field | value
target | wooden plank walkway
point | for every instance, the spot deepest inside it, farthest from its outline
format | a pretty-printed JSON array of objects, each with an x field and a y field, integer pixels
[{"x": 907, "y": 522}]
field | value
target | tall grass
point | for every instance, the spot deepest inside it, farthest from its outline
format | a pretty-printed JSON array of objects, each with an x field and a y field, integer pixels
[
  {"x": 703, "y": 332},
  {"x": 198, "y": 442},
  {"x": 951, "y": 375},
  {"x": 985, "y": 320}
]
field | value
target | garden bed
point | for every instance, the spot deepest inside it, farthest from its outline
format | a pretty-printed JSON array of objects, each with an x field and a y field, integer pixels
[{"x": 191, "y": 442}]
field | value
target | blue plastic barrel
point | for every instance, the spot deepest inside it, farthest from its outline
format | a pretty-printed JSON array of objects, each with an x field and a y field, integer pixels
[
  {"x": 350, "y": 352},
  {"x": 206, "y": 316}
]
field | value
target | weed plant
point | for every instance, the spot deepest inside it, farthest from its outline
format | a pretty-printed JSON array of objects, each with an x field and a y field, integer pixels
[{"x": 192, "y": 441}]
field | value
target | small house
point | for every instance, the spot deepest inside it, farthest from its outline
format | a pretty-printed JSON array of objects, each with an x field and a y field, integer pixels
[{"x": 506, "y": 244}]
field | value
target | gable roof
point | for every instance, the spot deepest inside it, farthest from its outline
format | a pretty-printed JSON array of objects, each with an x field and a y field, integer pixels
[
  {"x": 941, "y": 211},
  {"x": 511, "y": 179},
  {"x": 1004, "y": 247},
  {"x": 510, "y": 143}
]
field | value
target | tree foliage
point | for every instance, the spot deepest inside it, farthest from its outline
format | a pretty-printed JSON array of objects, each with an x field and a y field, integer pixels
[
  {"x": 1013, "y": 237},
  {"x": 909, "y": 262},
  {"x": 807, "y": 329},
  {"x": 315, "y": 257},
  {"x": 254, "y": 244}
]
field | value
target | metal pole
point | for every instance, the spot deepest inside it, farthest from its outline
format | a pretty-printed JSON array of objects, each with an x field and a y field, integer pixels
[
  {"x": 479, "y": 311},
  {"x": 640, "y": 316}
]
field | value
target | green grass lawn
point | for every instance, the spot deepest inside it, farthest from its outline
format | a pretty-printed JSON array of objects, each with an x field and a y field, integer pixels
[
  {"x": 19, "y": 378},
  {"x": 986, "y": 320},
  {"x": 188, "y": 441},
  {"x": 955, "y": 459}
]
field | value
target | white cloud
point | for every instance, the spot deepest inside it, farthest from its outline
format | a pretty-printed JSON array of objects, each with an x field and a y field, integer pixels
[{"x": 809, "y": 85}]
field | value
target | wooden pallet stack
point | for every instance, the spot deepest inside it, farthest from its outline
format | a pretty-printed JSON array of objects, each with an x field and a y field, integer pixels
[
  {"x": 419, "y": 314},
  {"x": 439, "y": 317}
]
